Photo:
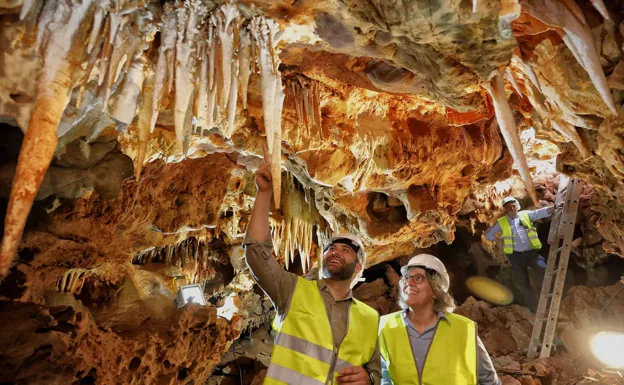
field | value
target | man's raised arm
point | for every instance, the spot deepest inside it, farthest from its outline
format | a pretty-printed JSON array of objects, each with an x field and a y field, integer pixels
[{"x": 277, "y": 283}]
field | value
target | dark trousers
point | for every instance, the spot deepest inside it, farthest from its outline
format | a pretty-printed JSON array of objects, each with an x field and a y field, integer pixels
[{"x": 520, "y": 261}]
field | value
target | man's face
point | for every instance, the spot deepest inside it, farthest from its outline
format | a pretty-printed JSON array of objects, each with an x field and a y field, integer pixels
[
  {"x": 340, "y": 262},
  {"x": 511, "y": 209}
]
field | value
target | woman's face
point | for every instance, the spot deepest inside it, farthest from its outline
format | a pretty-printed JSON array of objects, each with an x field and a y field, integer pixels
[{"x": 417, "y": 290}]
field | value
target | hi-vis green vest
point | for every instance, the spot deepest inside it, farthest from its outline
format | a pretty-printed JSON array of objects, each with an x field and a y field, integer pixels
[
  {"x": 304, "y": 351},
  {"x": 451, "y": 359},
  {"x": 508, "y": 238}
]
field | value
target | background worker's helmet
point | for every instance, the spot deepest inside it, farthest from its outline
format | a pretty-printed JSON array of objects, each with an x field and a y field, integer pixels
[
  {"x": 352, "y": 241},
  {"x": 510, "y": 199},
  {"x": 429, "y": 262}
]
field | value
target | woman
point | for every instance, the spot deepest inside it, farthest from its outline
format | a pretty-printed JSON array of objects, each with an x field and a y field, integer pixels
[{"x": 425, "y": 343}]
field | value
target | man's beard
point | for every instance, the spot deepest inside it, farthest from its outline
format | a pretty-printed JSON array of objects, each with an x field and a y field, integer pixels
[{"x": 341, "y": 273}]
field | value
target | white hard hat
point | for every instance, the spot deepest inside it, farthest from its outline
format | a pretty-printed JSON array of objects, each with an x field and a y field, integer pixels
[
  {"x": 510, "y": 199},
  {"x": 429, "y": 262},
  {"x": 352, "y": 241}
]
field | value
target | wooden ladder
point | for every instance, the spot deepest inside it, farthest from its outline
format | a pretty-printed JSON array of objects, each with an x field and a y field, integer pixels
[{"x": 560, "y": 240}]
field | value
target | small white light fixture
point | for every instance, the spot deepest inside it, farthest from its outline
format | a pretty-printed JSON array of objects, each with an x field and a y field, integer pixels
[
  {"x": 608, "y": 348},
  {"x": 189, "y": 293}
]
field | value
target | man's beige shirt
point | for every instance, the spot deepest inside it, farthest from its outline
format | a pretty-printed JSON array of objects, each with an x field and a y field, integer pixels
[{"x": 280, "y": 284}]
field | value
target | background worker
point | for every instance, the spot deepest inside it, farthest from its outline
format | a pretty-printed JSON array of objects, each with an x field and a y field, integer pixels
[
  {"x": 425, "y": 343},
  {"x": 325, "y": 336},
  {"x": 520, "y": 244}
]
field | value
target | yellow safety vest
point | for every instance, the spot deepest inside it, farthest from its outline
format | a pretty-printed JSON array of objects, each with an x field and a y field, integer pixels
[
  {"x": 304, "y": 350},
  {"x": 451, "y": 359},
  {"x": 508, "y": 237}
]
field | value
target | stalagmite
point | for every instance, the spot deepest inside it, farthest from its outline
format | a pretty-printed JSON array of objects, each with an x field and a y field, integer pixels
[
  {"x": 578, "y": 38},
  {"x": 264, "y": 32},
  {"x": 39, "y": 144},
  {"x": 505, "y": 119},
  {"x": 145, "y": 118},
  {"x": 244, "y": 68},
  {"x": 187, "y": 17},
  {"x": 167, "y": 44},
  {"x": 225, "y": 31},
  {"x": 125, "y": 108}
]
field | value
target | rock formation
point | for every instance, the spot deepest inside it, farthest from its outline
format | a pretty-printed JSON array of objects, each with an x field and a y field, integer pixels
[{"x": 132, "y": 131}]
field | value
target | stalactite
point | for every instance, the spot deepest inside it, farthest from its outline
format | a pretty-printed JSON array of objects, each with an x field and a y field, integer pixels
[
  {"x": 39, "y": 144},
  {"x": 316, "y": 105},
  {"x": 305, "y": 96},
  {"x": 27, "y": 5},
  {"x": 145, "y": 118},
  {"x": 233, "y": 99},
  {"x": 601, "y": 8},
  {"x": 579, "y": 40},
  {"x": 201, "y": 89},
  {"x": 73, "y": 280},
  {"x": 576, "y": 10},
  {"x": 125, "y": 41},
  {"x": 531, "y": 74},
  {"x": 511, "y": 79},
  {"x": 293, "y": 232},
  {"x": 188, "y": 16},
  {"x": 99, "y": 17},
  {"x": 125, "y": 107},
  {"x": 212, "y": 87},
  {"x": 225, "y": 17},
  {"x": 569, "y": 132},
  {"x": 475, "y": 5},
  {"x": 244, "y": 57},
  {"x": 164, "y": 74},
  {"x": 90, "y": 66},
  {"x": 264, "y": 31},
  {"x": 505, "y": 119}
]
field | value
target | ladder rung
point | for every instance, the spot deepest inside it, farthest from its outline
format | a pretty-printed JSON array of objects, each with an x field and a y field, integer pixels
[
  {"x": 554, "y": 272},
  {"x": 548, "y": 295},
  {"x": 541, "y": 319}
]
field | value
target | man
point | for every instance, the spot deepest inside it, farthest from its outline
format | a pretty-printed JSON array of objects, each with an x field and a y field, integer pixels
[
  {"x": 325, "y": 336},
  {"x": 520, "y": 243},
  {"x": 425, "y": 343}
]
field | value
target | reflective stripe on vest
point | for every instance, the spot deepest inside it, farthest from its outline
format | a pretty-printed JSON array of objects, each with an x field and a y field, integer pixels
[
  {"x": 451, "y": 359},
  {"x": 508, "y": 236},
  {"x": 304, "y": 348}
]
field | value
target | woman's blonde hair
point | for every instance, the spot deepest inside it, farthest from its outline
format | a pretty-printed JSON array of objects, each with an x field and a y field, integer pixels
[{"x": 442, "y": 301}]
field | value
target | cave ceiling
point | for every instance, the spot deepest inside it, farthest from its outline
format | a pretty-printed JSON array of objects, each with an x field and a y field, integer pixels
[{"x": 393, "y": 123}]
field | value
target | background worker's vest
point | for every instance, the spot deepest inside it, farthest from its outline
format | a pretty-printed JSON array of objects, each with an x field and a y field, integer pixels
[
  {"x": 451, "y": 359},
  {"x": 508, "y": 237},
  {"x": 304, "y": 349}
]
